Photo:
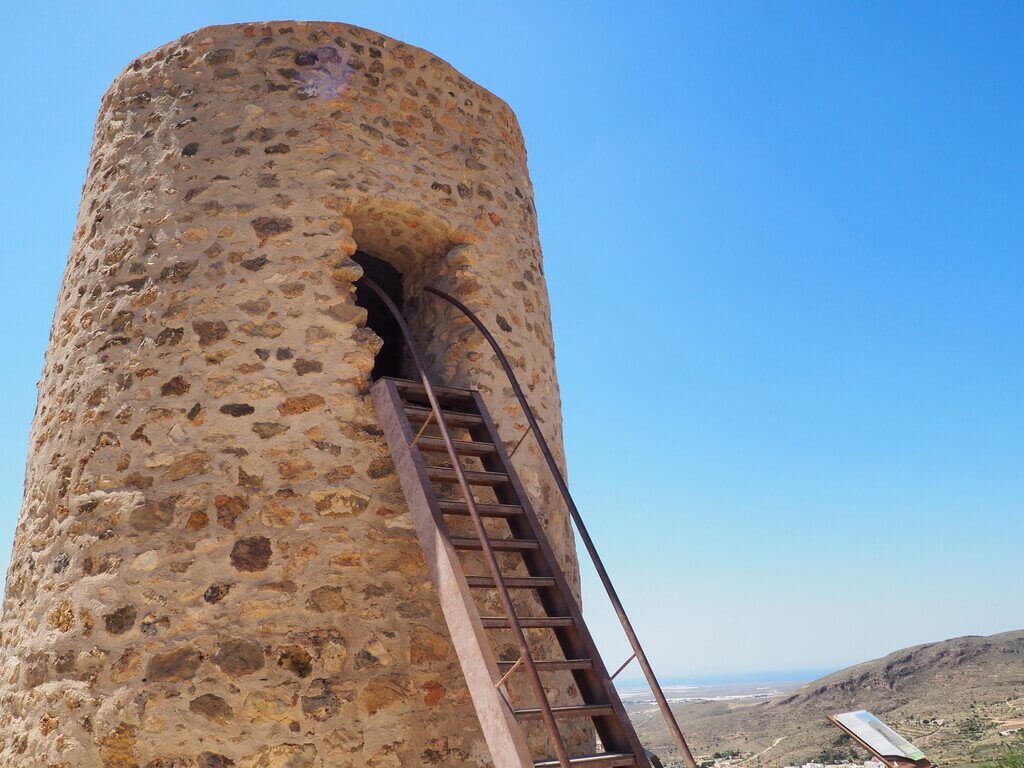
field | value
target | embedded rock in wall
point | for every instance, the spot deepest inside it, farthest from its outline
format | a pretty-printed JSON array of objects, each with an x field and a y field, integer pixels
[{"x": 214, "y": 566}]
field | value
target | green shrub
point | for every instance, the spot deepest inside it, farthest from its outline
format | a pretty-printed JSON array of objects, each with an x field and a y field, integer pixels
[
  {"x": 1012, "y": 758},
  {"x": 974, "y": 727}
]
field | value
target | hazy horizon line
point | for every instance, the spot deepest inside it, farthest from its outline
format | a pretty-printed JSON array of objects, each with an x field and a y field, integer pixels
[{"x": 804, "y": 675}]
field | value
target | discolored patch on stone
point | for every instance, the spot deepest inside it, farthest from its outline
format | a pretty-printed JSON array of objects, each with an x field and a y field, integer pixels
[
  {"x": 139, "y": 481},
  {"x": 118, "y": 747},
  {"x": 169, "y": 337},
  {"x": 329, "y": 648},
  {"x": 219, "y": 56},
  {"x": 364, "y": 659},
  {"x": 428, "y": 647},
  {"x": 255, "y": 264},
  {"x": 152, "y": 624},
  {"x": 126, "y": 667},
  {"x": 239, "y": 657},
  {"x": 278, "y": 149},
  {"x": 190, "y": 149},
  {"x": 347, "y": 312},
  {"x": 35, "y": 670},
  {"x": 326, "y": 599},
  {"x": 433, "y": 693},
  {"x": 237, "y": 409},
  {"x": 153, "y": 515},
  {"x": 174, "y": 666},
  {"x": 229, "y": 509},
  {"x": 252, "y": 482},
  {"x": 270, "y": 329},
  {"x": 277, "y": 513},
  {"x": 140, "y": 435},
  {"x": 264, "y": 706},
  {"x": 256, "y": 307},
  {"x": 251, "y": 554},
  {"x": 296, "y": 469},
  {"x": 178, "y": 272},
  {"x": 175, "y": 386},
  {"x": 317, "y": 334},
  {"x": 284, "y": 756},
  {"x": 381, "y": 467},
  {"x": 210, "y": 331},
  {"x": 303, "y": 366},
  {"x": 300, "y": 404},
  {"x": 212, "y": 707},
  {"x": 216, "y": 592},
  {"x": 177, "y": 761},
  {"x": 120, "y": 621},
  {"x": 214, "y": 760},
  {"x": 340, "y": 503},
  {"x": 383, "y": 692},
  {"x": 261, "y": 134},
  {"x": 268, "y": 429},
  {"x": 267, "y": 227},
  {"x": 321, "y": 702},
  {"x": 189, "y": 464},
  {"x": 296, "y": 660}
]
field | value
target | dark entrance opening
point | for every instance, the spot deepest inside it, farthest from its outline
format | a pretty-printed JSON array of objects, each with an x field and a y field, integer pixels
[{"x": 378, "y": 317}]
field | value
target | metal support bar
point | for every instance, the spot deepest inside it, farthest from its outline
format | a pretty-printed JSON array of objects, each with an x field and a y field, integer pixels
[
  {"x": 426, "y": 423},
  {"x": 478, "y": 523},
  {"x": 508, "y": 674},
  {"x": 581, "y": 528},
  {"x": 513, "y": 453},
  {"x": 624, "y": 665}
]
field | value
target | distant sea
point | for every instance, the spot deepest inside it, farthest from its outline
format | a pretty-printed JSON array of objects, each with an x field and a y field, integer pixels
[{"x": 719, "y": 687}]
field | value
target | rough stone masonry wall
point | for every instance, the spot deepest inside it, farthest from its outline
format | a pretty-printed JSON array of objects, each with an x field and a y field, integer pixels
[{"x": 214, "y": 566}]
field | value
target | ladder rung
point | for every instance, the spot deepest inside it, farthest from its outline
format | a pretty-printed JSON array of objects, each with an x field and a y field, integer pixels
[
  {"x": 451, "y": 418},
  {"x": 498, "y": 545},
  {"x": 555, "y": 665},
  {"x": 537, "y": 622},
  {"x": 607, "y": 760},
  {"x": 416, "y": 389},
  {"x": 485, "y": 510},
  {"x": 512, "y": 582},
  {"x": 473, "y": 477},
  {"x": 577, "y": 710},
  {"x": 462, "y": 447}
]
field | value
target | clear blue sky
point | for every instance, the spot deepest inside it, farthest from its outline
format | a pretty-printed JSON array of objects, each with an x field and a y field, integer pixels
[{"x": 785, "y": 249}]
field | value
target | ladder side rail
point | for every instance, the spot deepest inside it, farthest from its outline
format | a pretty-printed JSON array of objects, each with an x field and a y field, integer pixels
[
  {"x": 536, "y": 683},
  {"x": 501, "y": 728},
  {"x": 622, "y": 736},
  {"x": 588, "y": 542}
]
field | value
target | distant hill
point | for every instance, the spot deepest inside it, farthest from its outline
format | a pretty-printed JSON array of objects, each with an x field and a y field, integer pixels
[{"x": 952, "y": 699}]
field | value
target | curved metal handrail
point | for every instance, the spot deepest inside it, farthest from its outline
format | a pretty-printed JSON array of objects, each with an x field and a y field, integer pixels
[
  {"x": 588, "y": 542},
  {"x": 492, "y": 561}
]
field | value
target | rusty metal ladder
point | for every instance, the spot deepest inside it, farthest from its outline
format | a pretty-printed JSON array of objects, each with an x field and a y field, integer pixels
[{"x": 406, "y": 410}]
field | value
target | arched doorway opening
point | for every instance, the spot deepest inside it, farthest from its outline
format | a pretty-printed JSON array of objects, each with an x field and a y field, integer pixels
[{"x": 378, "y": 318}]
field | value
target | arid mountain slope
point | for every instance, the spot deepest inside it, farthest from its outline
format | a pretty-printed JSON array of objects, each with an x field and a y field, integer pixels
[{"x": 952, "y": 699}]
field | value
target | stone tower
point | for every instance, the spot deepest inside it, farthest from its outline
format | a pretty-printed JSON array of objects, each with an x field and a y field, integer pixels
[{"x": 214, "y": 566}]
